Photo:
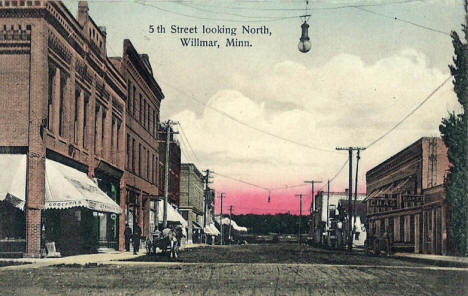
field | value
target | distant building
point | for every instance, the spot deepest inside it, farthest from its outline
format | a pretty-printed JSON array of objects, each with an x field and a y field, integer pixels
[
  {"x": 359, "y": 231},
  {"x": 331, "y": 218},
  {"x": 192, "y": 199},
  {"x": 407, "y": 199}
]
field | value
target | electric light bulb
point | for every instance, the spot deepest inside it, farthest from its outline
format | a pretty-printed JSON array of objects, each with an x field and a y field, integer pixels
[{"x": 304, "y": 42}]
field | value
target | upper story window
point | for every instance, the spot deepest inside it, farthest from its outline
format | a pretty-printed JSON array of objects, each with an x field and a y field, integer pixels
[
  {"x": 129, "y": 97},
  {"x": 134, "y": 101},
  {"x": 51, "y": 89},
  {"x": 140, "y": 117},
  {"x": 63, "y": 83}
]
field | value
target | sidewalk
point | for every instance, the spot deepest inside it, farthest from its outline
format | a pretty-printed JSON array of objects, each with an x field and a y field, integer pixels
[
  {"x": 434, "y": 259},
  {"x": 78, "y": 259}
]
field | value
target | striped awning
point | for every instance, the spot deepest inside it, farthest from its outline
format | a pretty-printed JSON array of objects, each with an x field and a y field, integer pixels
[{"x": 65, "y": 187}]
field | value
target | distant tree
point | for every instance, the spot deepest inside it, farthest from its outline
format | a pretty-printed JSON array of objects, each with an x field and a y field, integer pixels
[
  {"x": 264, "y": 224},
  {"x": 454, "y": 130}
]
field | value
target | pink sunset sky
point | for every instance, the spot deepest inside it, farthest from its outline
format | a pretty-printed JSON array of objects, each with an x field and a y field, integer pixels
[{"x": 247, "y": 199}]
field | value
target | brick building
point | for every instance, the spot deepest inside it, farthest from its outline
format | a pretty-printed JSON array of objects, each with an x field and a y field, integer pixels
[
  {"x": 144, "y": 98},
  {"x": 192, "y": 198},
  {"x": 406, "y": 197},
  {"x": 64, "y": 105},
  {"x": 79, "y": 129}
]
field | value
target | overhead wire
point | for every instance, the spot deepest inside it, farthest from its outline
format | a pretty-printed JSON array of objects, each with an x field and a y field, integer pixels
[
  {"x": 410, "y": 113},
  {"x": 336, "y": 175},
  {"x": 185, "y": 151},
  {"x": 246, "y": 124},
  {"x": 141, "y": 2},
  {"x": 401, "y": 20},
  {"x": 288, "y": 187},
  {"x": 241, "y": 181},
  {"x": 226, "y": 13},
  {"x": 188, "y": 142},
  {"x": 279, "y": 18},
  {"x": 310, "y": 8}
]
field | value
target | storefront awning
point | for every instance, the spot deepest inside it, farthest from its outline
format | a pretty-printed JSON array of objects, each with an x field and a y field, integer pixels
[
  {"x": 195, "y": 225},
  {"x": 237, "y": 227},
  {"x": 389, "y": 189},
  {"x": 214, "y": 230},
  {"x": 172, "y": 214},
  {"x": 227, "y": 221},
  {"x": 207, "y": 230},
  {"x": 211, "y": 229},
  {"x": 67, "y": 187},
  {"x": 13, "y": 179}
]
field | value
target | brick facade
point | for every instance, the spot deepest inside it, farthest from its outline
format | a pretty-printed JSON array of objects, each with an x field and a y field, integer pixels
[
  {"x": 63, "y": 98},
  {"x": 141, "y": 175}
]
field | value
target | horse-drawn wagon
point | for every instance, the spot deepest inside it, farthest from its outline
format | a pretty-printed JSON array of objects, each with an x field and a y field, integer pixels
[{"x": 167, "y": 240}]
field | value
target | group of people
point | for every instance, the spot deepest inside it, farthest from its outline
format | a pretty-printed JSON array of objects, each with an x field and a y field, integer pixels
[{"x": 133, "y": 236}]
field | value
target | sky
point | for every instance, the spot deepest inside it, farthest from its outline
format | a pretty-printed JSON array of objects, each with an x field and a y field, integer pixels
[{"x": 272, "y": 116}]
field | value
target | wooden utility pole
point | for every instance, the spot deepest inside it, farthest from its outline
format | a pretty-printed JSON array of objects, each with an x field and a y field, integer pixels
[
  {"x": 169, "y": 134},
  {"x": 300, "y": 217},
  {"x": 221, "y": 196},
  {"x": 350, "y": 192},
  {"x": 328, "y": 202},
  {"x": 230, "y": 222},
  {"x": 313, "y": 182},
  {"x": 358, "y": 157},
  {"x": 313, "y": 206},
  {"x": 206, "y": 179}
]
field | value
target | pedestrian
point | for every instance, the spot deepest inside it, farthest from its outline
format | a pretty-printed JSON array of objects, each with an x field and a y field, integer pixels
[
  {"x": 136, "y": 238},
  {"x": 156, "y": 232},
  {"x": 128, "y": 236}
]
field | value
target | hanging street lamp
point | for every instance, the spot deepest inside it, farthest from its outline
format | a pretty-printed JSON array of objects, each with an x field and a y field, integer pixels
[{"x": 304, "y": 44}]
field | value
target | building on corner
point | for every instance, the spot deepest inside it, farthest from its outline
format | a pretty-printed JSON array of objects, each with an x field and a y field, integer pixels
[
  {"x": 79, "y": 131},
  {"x": 407, "y": 200},
  {"x": 63, "y": 131}
]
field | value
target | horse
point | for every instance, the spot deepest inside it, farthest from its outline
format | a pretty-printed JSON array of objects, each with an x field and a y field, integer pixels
[{"x": 170, "y": 238}]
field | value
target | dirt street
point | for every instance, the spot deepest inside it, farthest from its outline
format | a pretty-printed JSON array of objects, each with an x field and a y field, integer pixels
[{"x": 320, "y": 273}]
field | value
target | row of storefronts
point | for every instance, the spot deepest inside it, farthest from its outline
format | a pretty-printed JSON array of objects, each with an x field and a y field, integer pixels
[
  {"x": 79, "y": 151},
  {"x": 406, "y": 202},
  {"x": 81, "y": 143},
  {"x": 405, "y": 205}
]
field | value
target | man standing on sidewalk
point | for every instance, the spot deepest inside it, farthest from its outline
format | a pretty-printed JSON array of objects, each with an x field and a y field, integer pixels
[
  {"x": 128, "y": 236},
  {"x": 136, "y": 238}
]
